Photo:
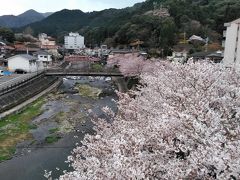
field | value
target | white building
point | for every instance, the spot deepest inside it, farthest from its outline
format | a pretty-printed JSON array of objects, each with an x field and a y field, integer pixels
[
  {"x": 24, "y": 63},
  {"x": 232, "y": 43},
  {"x": 46, "y": 40},
  {"x": 44, "y": 57},
  {"x": 178, "y": 56},
  {"x": 74, "y": 41}
]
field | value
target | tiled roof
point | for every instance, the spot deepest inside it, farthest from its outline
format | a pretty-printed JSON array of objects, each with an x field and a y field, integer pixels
[
  {"x": 41, "y": 52},
  {"x": 8, "y": 47},
  {"x": 22, "y": 47},
  {"x": 196, "y": 38},
  {"x": 216, "y": 54},
  {"x": 49, "y": 47}
]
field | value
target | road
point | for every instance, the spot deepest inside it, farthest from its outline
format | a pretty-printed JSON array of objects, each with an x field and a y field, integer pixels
[
  {"x": 4, "y": 79},
  {"x": 14, "y": 79}
]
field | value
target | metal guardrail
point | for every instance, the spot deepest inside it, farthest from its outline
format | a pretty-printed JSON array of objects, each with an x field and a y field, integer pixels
[{"x": 12, "y": 83}]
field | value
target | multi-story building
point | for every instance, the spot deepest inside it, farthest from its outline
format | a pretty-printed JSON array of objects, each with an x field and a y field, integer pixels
[
  {"x": 232, "y": 43},
  {"x": 46, "y": 40},
  {"x": 74, "y": 41}
]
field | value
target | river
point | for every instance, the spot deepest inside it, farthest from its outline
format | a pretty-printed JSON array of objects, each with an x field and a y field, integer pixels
[{"x": 65, "y": 116}]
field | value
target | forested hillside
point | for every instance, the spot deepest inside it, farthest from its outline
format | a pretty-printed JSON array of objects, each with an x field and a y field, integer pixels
[
  {"x": 147, "y": 21},
  {"x": 23, "y": 19}
]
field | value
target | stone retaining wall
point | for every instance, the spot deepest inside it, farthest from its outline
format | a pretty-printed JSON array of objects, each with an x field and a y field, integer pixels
[{"x": 25, "y": 92}]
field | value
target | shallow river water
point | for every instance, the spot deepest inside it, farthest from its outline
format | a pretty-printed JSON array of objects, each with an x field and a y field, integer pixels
[{"x": 67, "y": 113}]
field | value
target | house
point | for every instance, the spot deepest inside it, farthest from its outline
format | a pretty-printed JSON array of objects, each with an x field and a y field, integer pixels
[
  {"x": 180, "y": 53},
  {"x": 215, "y": 56},
  {"x": 45, "y": 57},
  {"x": 81, "y": 62},
  {"x": 178, "y": 56},
  {"x": 81, "y": 58},
  {"x": 29, "y": 48},
  {"x": 2, "y": 43},
  {"x": 46, "y": 40},
  {"x": 114, "y": 52},
  {"x": 6, "y": 49},
  {"x": 74, "y": 41},
  {"x": 196, "y": 38},
  {"x": 232, "y": 43},
  {"x": 50, "y": 47},
  {"x": 199, "y": 55},
  {"x": 24, "y": 63}
]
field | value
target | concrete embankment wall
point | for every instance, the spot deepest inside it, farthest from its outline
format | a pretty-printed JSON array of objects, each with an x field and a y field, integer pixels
[
  {"x": 121, "y": 84},
  {"x": 25, "y": 92}
]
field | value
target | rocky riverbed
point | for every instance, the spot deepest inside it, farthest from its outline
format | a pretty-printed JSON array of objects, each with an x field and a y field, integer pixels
[{"x": 64, "y": 121}]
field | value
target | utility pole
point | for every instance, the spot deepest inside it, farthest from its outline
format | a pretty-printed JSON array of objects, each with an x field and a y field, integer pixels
[
  {"x": 206, "y": 48},
  {"x": 184, "y": 34}
]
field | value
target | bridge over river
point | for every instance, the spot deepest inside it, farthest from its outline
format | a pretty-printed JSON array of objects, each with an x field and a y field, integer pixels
[
  {"x": 81, "y": 69},
  {"x": 80, "y": 73},
  {"x": 19, "y": 88},
  {"x": 15, "y": 81}
]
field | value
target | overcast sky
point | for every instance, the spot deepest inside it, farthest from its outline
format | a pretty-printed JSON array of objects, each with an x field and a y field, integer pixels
[{"x": 16, "y": 7}]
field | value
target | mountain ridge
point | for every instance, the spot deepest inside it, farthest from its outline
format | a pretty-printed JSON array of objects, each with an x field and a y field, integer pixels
[
  {"x": 159, "y": 30},
  {"x": 159, "y": 24},
  {"x": 28, "y": 17}
]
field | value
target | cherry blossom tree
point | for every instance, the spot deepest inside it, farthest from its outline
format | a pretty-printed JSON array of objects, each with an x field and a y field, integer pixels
[
  {"x": 132, "y": 64},
  {"x": 184, "y": 123}
]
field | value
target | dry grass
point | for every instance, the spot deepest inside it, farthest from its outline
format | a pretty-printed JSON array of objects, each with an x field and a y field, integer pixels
[
  {"x": 88, "y": 91},
  {"x": 15, "y": 129}
]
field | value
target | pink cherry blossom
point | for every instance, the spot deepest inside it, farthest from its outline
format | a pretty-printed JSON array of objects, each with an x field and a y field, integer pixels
[
  {"x": 184, "y": 123},
  {"x": 131, "y": 64}
]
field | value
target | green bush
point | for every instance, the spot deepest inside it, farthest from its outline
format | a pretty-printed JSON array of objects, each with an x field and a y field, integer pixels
[
  {"x": 52, "y": 139},
  {"x": 96, "y": 67}
]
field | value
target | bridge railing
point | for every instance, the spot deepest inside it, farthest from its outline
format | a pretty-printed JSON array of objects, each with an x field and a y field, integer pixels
[{"x": 70, "y": 70}]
